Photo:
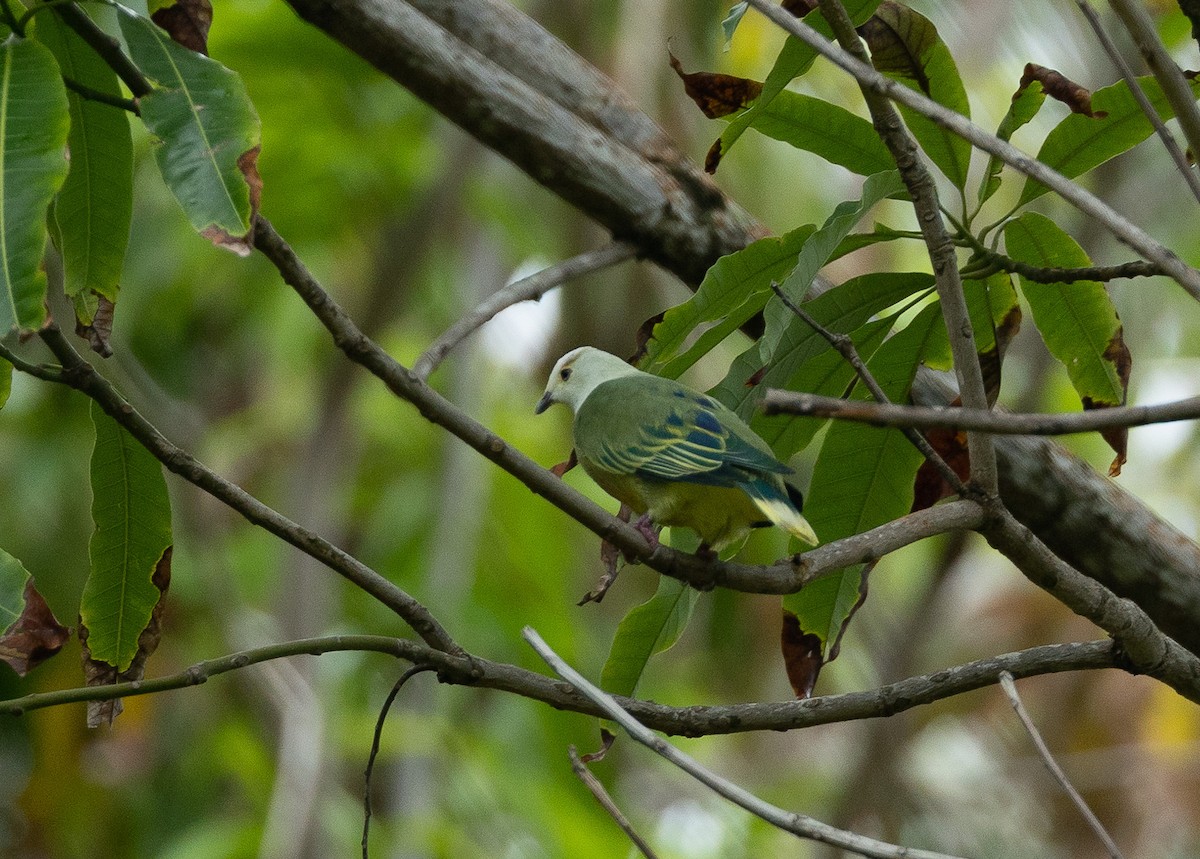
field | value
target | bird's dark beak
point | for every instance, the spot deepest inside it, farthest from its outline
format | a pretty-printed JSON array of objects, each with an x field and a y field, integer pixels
[{"x": 543, "y": 403}]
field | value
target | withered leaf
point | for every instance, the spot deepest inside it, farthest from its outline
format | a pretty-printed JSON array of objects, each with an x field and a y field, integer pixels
[
  {"x": 242, "y": 245},
  {"x": 863, "y": 590},
  {"x": 799, "y": 8},
  {"x": 645, "y": 334},
  {"x": 1117, "y": 437},
  {"x": 1057, "y": 86},
  {"x": 33, "y": 637},
  {"x": 187, "y": 22},
  {"x": 99, "y": 332},
  {"x": 929, "y": 487},
  {"x": 801, "y": 655},
  {"x": 716, "y": 94},
  {"x": 607, "y": 738},
  {"x": 899, "y": 40},
  {"x": 712, "y": 158},
  {"x": 98, "y": 673}
]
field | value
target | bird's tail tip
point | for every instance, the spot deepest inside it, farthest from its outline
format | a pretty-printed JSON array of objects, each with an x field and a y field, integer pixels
[{"x": 784, "y": 514}]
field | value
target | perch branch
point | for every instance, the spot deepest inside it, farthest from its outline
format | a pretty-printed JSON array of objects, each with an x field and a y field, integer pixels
[{"x": 606, "y": 802}]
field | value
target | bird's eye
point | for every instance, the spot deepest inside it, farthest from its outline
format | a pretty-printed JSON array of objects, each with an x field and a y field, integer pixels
[{"x": 565, "y": 374}]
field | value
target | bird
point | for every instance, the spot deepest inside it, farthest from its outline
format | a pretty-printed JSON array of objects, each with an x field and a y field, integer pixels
[{"x": 676, "y": 456}]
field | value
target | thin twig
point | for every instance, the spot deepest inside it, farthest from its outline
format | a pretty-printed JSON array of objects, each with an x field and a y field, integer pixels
[
  {"x": 1122, "y": 228},
  {"x": 1010, "y": 689},
  {"x": 103, "y": 97},
  {"x": 798, "y": 824},
  {"x": 529, "y": 288},
  {"x": 845, "y": 347},
  {"x": 985, "y": 261},
  {"x": 1174, "y": 86},
  {"x": 83, "y": 377},
  {"x": 698, "y": 721},
  {"x": 777, "y": 402},
  {"x": 38, "y": 371},
  {"x": 606, "y": 802},
  {"x": 1160, "y": 127},
  {"x": 383, "y": 712},
  {"x": 107, "y": 47},
  {"x": 939, "y": 244}
]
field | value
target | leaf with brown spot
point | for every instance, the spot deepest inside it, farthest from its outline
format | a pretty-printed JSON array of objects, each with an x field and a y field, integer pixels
[
  {"x": 712, "y": 158},
  {"x": 187, "y": 22},
  {"x": 1058, "y": 86},
  {"x": 33, "y": 634},
  {"x": 645, "y": 334},
  {"x": 99, "y": 331},
  {"x": 716, "y": 94},
  {"x": 801, "y": 655},
  {"x": 930, "y": 487},
  {"x": 756, "y": 377},
  {"x": 100, "y": 673},
  {"x": 1117, "y": 437}
]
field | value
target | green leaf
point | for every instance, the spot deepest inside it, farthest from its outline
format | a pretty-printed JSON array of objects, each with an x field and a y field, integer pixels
[
  {"x": 816, "y": 253},
  {"x": 794, "y": 59},
  {"x": 734, "y": 289},
  {"x": 827, "y": 130},
  {"x": 1077, "y": 320},
  {"x": 842, "y": 309},
  {"x": 132, "y": 514},
  {"x": 34, "y": 121},
  {"x": 208, "y": 129},
  {"x": 29, "y": 632},
  {"x": 648, "y": 629},
  {"x": 730, "y": 24},
  {"x": 1026, "y": 102},
  {"x": 906, "y": 47},
  {"x": 1080, "y": 143},
  {"x": 863, "y": 476},
  {"x": 858, "y": 241},
  {"x": 6, "y": 370},
  {"x": 94, "y": 208}
]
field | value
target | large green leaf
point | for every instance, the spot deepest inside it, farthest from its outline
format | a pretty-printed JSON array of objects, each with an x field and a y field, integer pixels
[
  {"x": 1077, "y": 320},
  {"x": 817, "y": 252},
  {"x": 734, "y": 289},
  {"x": 208, "y": 129},
  {"x": 863, "y": 476},
  {"x": 794, "y": 59},
  {"x": 825, "y": 129},
  {"x": 649, "y": 628},
  {"x": 1080, "y": 143},
  {"x": 94, "y": 208},
  {"x": 842, "y": 309},
  {"x": 34, "y": 121},
  {"x": 132, "y": 514},
  {"x": 906, "y": 47}
]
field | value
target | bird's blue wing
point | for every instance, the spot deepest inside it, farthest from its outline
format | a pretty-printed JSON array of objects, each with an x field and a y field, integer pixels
[{"x": 693, "y": 439}]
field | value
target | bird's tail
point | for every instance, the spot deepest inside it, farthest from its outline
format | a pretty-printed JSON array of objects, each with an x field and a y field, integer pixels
[{"x": 778, "y": 506}]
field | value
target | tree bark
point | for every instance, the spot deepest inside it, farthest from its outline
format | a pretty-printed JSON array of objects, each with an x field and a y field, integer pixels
[{"x": 520, "y": 91}]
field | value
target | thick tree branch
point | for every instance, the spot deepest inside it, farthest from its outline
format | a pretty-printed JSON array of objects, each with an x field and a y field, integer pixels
[
  {"x": 780, "y": 402},
  {"x": 1122, "y": 228},
  {"x": 469, "y": 670},
  {"x": 80, "y": 375},
  {"x": 940, "y": 245}
]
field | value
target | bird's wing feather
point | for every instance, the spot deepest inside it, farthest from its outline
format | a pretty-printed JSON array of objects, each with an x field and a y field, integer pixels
[{"x": 658, "y": 429}]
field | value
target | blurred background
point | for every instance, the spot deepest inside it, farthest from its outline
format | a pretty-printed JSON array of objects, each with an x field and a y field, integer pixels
[{"x": 408, "y": 222}]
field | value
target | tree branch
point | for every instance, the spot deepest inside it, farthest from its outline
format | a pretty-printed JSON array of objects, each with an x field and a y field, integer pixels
[
  {"x": 781, "y": 402},
  {"x": 1093, "y": 822},
  {"x": 82, "y": 376},
  {"x": 606, "y": 802},
  {"x": 1123, "y": 229},
  {"x": 798, "y": 824},
  {"x": 529, "y": 288},
  {"x": 993, "y": 261},
  {"x": 942, "y": 254},
  {"x": 470, "y": 670}
]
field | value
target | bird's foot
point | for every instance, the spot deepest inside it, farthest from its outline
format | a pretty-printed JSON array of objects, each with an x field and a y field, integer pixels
[
  {"x": 705, "y": 553},
  {"x": 648, "y": 530}
]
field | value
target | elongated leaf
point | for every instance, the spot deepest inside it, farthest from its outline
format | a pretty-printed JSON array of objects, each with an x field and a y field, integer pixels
[
  {"x": 6, "y": 371},
  {"x": 842, "y": 309},
  {"x": 1080, "y": 143},
  {"x": 863, "y": 476},
  {"x": 34, "y": 120},
  {"x": 29, "y": 632},
  {"x": 94, "y": 208},
  {"x": 648, "y": 629},
  {"x": 1026, "y": 102},
  {"x": 734, "y": 17},
  {"x": 794, "y": 59},
  {"x": 132, "y": 514},
  {"x": 816, "y": 253},
  {"x": 735, "y": 288},
  {"x": 1077, "y": 320},
  {"x": 906, "y": 47},
  {"x": 208, "y": 130},
  {"x": 825, "y": 129}
]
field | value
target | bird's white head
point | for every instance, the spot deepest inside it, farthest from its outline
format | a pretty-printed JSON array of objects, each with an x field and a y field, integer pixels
[{"x": 578, "y": 373}]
